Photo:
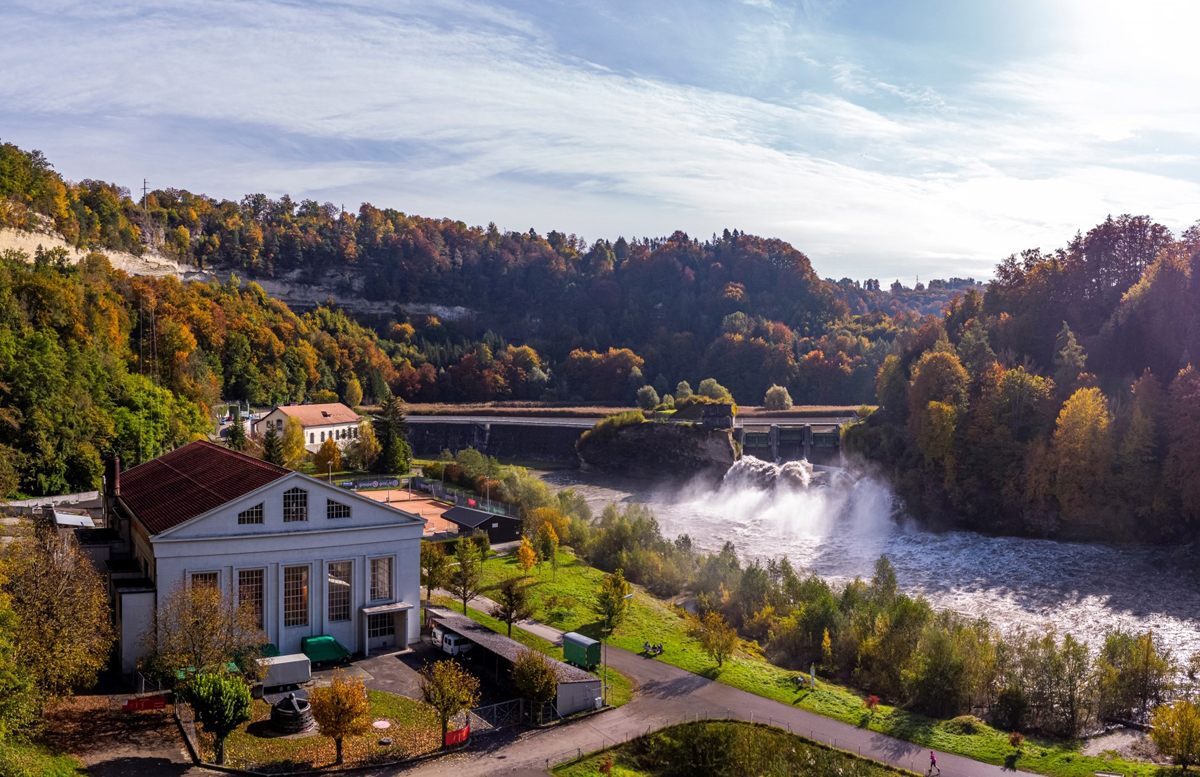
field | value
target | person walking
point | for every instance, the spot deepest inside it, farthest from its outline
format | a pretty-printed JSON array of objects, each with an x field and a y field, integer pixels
[{"x": 933, "y": 767}]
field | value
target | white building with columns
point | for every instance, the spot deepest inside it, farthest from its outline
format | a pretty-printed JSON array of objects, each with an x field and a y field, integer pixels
[{"x": 310, "y": 559}]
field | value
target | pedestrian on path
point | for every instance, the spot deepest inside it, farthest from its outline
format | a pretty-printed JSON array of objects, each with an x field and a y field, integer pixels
[{"x": 933, "y": 767}]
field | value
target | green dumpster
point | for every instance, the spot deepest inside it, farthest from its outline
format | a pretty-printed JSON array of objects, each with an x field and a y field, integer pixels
[{"x": 580, "y": 650}]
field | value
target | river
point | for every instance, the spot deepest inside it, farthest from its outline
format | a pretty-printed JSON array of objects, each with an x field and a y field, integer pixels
[{"x": 838, "y": 531}]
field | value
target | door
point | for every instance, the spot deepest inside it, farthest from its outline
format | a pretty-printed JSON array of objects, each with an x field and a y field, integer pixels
[{"x": 381, "y": 631}]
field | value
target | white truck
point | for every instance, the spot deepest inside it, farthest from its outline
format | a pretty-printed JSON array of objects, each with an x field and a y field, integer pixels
[{"x": 451, "y": 643}]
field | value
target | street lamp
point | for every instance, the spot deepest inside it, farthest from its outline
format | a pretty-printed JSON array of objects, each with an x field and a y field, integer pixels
[{"x": 604, "y": 649}]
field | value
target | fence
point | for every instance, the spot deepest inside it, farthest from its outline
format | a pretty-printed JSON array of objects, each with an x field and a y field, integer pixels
[
  {"x": 494, "y": 717},
  {"x": 439, "y": 491}
]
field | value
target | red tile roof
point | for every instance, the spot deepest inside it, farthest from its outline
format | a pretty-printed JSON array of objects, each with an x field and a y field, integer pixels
[
  {"x": 321, "y": 415},
  {"x": 191, "y": 480}
]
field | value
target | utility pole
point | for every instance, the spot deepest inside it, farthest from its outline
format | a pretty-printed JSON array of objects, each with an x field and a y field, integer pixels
[{"x": 145, "y": 191}]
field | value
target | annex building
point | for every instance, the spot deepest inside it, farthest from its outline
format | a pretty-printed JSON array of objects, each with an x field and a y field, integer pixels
[
  {"x": 320, "y": 422},
  {"x": 311, "y": 559}
]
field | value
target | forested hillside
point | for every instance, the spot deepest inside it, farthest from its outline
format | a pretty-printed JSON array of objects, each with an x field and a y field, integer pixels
[
  {"x": 1062, "y": 401},
  {"x": 746, "y": 310}
]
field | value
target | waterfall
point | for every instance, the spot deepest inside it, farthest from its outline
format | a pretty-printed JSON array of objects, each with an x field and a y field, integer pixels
[{"x": 749, "y": 472}]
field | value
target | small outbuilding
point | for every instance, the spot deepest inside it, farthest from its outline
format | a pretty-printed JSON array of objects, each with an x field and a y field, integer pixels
[
  {"x": 577, "y": 690},
  {"x": 499, "y": 528},
  {"x": 580, "y": 650}
]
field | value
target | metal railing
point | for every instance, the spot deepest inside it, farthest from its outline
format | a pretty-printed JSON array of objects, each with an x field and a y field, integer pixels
[{"x": 494, "y": 717}]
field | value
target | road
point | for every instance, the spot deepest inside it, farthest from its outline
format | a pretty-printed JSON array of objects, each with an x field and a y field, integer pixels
[
  {"x": 588, "y": 423},
  {"x": 668, "y": 695}
]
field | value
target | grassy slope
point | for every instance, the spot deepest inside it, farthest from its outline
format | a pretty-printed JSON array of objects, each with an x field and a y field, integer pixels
[
  {"x": 620, "y": 689},
  {"x": 29, "y": 758},
  {"x": 652, "y": 619},
  {"x": 830, "y": 761}
]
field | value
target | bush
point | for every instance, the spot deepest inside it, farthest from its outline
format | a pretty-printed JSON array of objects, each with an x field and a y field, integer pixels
[
  {"x": 607, "y": 428},
  {"x": 964, "y": 724},
  {"x": 647, "y": 398},
  {"x": 777, "y": 398},
  {"x": 713, "y": 390}
]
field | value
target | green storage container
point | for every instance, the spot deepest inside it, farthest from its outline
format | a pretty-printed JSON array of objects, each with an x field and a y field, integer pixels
[{"x": 580, "y": 650}]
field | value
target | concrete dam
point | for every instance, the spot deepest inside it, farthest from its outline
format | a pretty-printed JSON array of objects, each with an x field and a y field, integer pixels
[{"x": 553, "y": 439}]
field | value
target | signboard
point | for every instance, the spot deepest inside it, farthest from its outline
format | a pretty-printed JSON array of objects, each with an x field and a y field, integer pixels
[
  {"x": 459, "y": 736},
  {"x": 355, "y": 485},
  {"x": 145, "y": 703}
]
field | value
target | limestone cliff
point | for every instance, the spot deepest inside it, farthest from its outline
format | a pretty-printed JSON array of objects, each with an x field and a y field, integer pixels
[{"x": 657, "y": 450}]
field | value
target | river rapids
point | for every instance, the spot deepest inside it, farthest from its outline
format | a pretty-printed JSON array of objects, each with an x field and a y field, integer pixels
[{"x": 836, "y": 525}]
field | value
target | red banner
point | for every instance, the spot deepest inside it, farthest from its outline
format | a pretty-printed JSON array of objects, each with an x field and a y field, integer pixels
[
  {"x": 459, "y": 736},
  {"x": 145, "y": 703}
]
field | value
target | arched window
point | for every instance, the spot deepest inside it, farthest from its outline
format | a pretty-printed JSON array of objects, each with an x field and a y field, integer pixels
[{"x": 295, "y": 505}]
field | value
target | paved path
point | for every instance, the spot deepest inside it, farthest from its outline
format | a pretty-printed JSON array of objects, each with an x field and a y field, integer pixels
[{"x": 668, "y": 695}]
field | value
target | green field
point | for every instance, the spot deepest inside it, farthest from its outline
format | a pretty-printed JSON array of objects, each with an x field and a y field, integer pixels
[
  {"x": 651, "y": 619},
  {"x": 723, "y": 748},
  {"x": 620, "y": 690}
]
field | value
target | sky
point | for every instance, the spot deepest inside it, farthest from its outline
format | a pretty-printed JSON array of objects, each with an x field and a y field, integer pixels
[{"x": 885, "y": 139}]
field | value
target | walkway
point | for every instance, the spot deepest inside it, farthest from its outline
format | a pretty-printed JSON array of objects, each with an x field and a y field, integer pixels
[{"x": 668, "y": 695}]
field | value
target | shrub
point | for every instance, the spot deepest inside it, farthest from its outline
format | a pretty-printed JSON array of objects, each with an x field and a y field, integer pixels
[
  {"x": 964, "y": 724},
  {"x": 777, "y": 398},
  {"x": 1016, "y": 739},
  {"x": 647, "y": 398},
  {"x": 607, "y": 428}
]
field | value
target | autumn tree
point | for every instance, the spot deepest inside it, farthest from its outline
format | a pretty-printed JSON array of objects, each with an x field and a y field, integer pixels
[
  {"x": 1134, "y": 673},
  {"x": 221, "y": 703},
  {"x": 353, "y": 395},
  {"x": 717, "y": 637},
  {"x": 341, "y": 709},
  {"x": 777, "y": 398},
  {"x": 63, "y": 625},
  {"x": 435, "y": 567},
  {"x": 273, "y": 447},
  {"x": 1175, "y": 730},
  {"x": 683, "y": 390},
  {"x": 1183, "y": 458},
  {"x": 547, "y": 545},
  {"x": 938, "y": 376},
  {"x": 512, "y": 599},
  {"x": 1069, "y": 358},
  {"x": 713, "y": 390},
  {"x": 535, "y": 678},
  {"x": 328, "y": 457},
  {"x": 526, "y": 555},
  {"x": 363, "y": 452},
  {"x": 19, "y": 702},
  {"x": 465, "y": 579},
  {"x": 1082, "y": 447},
  {"x": 449, "y": 689},
  {"x": 294, "y": 451},
  {"x": 201, "y": 626}
]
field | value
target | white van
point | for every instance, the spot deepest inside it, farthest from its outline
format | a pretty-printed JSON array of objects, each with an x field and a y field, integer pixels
[{"x": 451, "y": 643}]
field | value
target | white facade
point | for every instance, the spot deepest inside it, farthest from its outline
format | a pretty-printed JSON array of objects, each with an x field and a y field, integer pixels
[
  {"x": 345, "y": 432},
  {"x": 337, "y": 555}
]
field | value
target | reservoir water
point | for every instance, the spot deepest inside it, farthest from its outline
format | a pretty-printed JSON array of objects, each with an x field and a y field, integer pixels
[{"x": 838, "y": 530}]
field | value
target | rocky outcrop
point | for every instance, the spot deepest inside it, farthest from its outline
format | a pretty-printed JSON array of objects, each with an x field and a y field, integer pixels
[{"x": 658, "y": 450}]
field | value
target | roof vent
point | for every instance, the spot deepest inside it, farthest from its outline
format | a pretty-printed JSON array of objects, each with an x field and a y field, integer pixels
[{"x": 325, "y": 413}]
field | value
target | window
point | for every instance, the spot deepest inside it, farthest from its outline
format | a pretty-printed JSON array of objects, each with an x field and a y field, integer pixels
[
  {"x": 295, "y": 596},
  {"x": 322, "y": 436},
  {"x": 354, "y": 433},
  {"x": 250, "y": 592},
  {"x": 252, "y": 515},
  {"x": 336, "y": 509},
  {"x": 312, "y": 438},
  {"x": 380, "y": 625},
  {"x": 381, "y": 578},
  {"x": 295, "y": 505},
  {"x": 339, "y": 591},
  {"x": 206, "y": 578}
]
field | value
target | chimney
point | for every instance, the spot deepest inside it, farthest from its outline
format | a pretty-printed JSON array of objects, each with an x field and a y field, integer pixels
[{"x": 113, "y": 480}]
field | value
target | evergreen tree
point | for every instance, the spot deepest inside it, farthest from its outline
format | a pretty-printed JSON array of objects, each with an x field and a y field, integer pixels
[
  {"x": 273, "y": 446},
  {"x": 391, "y": 430},
  {"x": 237, "y": 432}
]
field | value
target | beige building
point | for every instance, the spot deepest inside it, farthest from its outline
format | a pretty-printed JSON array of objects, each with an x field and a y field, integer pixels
[{"x": 320, "y": 422}]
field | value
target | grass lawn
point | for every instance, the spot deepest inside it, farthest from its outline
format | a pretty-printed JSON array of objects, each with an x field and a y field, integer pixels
[
  {"x": 415, "y": 730},
  {"x": 652, "y": 619},
  {"x": 722, "y": 748},
  {"x": 620, "y": 690},
  {"x": 22, "y": 758}
]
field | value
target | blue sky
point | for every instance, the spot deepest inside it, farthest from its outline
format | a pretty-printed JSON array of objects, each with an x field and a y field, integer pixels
[{"x": 883, "y": 139}]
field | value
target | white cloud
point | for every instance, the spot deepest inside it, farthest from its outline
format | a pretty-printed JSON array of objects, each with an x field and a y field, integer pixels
[{"x": 475, "y": 114}]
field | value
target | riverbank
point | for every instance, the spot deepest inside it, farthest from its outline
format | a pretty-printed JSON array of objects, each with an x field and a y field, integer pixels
[{"x": 563, "y": 600}]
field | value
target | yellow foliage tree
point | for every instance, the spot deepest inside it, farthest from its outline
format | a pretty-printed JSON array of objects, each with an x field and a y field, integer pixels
[
  {"x": 1176, "y": 732},
  {"x": 1082, "y": 449},
  {"x": 526, "y": 555},
  {"x": 293, "y": 444},
  {"x": 341, "y": 709},
  {"x": 329, "y": 457}
]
